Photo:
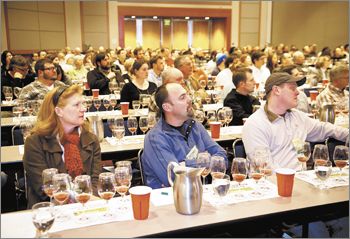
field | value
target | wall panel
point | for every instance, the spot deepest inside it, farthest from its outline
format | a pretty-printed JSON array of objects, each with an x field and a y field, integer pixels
[
  {"x": 52, "y": 40},
  {"x": 54, "y": 24},
  {"x": 167, "y": 36},
  {"x": 22, "y": 19},
  {"x": 151, "y": 34},
  {"x": 180, "y": 40},
  {"x": 218, "y": 38},
  {"x": 130, "y": 33},
  {"x": 201, "y": 34},
  {"x": 24, "y": 40}
]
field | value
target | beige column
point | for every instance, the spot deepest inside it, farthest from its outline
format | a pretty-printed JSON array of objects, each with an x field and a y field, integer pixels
[
  {"x": 3, "y": 31},
  {"x": 235, "y": 23},
  {"x": 113, "y": 24},
  {"x": 265, "y": 22},
  {"x": 73, "y": 24}
]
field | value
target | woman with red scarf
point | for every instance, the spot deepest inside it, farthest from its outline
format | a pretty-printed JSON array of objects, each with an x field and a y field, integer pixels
[{"x": 60, "y": 139}]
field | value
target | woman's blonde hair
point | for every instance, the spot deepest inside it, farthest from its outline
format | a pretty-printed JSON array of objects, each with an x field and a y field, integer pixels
[{"x": 48, "y": 123}]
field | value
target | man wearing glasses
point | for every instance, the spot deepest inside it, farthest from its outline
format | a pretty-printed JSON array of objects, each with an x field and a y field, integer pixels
[
  {"x": 47, "y": 80},
  {"x": 18, "y": 75}
]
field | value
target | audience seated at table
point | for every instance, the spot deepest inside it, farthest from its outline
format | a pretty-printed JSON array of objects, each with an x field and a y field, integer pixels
[
  {"x": 60, "y": 139},
  {"x": 175, "y": 134}
]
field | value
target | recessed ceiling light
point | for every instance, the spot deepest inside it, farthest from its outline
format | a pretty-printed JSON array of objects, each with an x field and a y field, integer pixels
[
  {"x": 187, "y": 18},
  {"x": 133, "y": 17},
  {"x": 155, "y": 17},
  {"x": 207, "y": 18}
]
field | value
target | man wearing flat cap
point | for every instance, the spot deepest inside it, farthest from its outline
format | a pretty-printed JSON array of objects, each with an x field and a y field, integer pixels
[{"x": 277, "y": 125}]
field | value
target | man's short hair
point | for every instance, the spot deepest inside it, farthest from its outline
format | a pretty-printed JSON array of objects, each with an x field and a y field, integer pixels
[
  {"x": 19, "y": 61},
  {"x": 256, "y": 56},
  {"x": 136, "y": 51},
  {"x": 40, "y": 64},
  {"x": 338, "y": 71},
  {"x": 239, "y": 75},
  {"x": 154, "y": 60},
  {"x": 161, "y": 95},
  {"x": 168, "y": 73},
  {"x": 288, "y": 69},
  {"x": 179, "y": 61}
]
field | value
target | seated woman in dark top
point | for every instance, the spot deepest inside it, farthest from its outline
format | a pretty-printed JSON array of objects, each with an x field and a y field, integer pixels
[{"x": 138, "y": 85}]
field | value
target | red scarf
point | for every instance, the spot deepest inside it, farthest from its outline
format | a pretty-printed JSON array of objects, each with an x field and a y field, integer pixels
[{"x": 72, "y": 157}]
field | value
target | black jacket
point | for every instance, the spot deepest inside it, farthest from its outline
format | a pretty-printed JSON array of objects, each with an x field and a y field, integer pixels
[
  {"x": 241, "y": 105},
  {"x": 8, "y": 80},
  {"x": 97, "y": 80}
]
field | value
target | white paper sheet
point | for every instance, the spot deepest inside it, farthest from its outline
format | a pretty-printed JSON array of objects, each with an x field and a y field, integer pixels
[{"x": 333, "y": 181}]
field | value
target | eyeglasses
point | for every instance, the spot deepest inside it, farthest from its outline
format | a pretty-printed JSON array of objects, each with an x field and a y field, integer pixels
[
  {"x": 22, "y": 69},
  {"x": 50, "y": 68}
]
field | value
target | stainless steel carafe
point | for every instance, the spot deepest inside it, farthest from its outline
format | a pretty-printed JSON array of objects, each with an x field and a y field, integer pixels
[
  {"x": 187, "y": 188},
  {"x": 327, "y": 113},
  {"x": 96, "y": 124}
]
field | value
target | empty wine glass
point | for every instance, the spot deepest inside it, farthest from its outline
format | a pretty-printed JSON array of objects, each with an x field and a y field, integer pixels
[
  {"x": 320, "y": 153},
  {"x": 304, "y": 154},
  {"x": 217, "y": 166},
  {"x": 43, "y": 218},
  {"x": 211, "y": 116},
  {"x": 17, "y": 111},
  {"x": 112, "y": 85},
  {"x": 341, "y": 158},
  {"x": 106, "y": 103},
  {"x": 202, "y": 84},
  {"x": 143, "y": 124},
  {"x": 216, "y": 97},
  {"x": 106, "y": 190},
  {"x": 48, "y": 186},
  {"x": 323, "y": 170},
  {"x": 229, "y": 115},
  {"x": 97, "y": 103},
  {"x": 122, "y": 178},
  {"x": 83, "y": 192},
  {"x": 222, "y": 116},
  {"x": 221, "y": 186},
  {"x": 152, "y": 119},
  {"x": 88, "y": 102},
  {"x": 127, "y": 164},
  {"x": 199, "y": 115},
  {"x": 8, "y": 93},
  {"x": 112, "y": 101},
  {"x": 145, "y": 100},
  {"x": 203, "y": 161},
  {"x": 136, "y": 106},
  {"x": 62, "y": 189},
  {"x": 208, "y": 98},
  {"x": 26, "y": 127},
  {"x": 210, "y": 84},
  {"x": 132, "y": 124}
]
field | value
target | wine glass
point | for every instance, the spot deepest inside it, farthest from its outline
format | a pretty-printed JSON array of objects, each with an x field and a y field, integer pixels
[
  {"x": 216, "y": 97},
  {"x": 221, "y": 186},
  {"x": 217, "y": 166},
  {"x": 323, "y": 170},
  {"x": 202, "y": 84},
  {"x": 106, "y": 103},
  {"x": 97, "y": 103},
  {"x": 208, "y": 98},
  {"x": 143, "y": 124},
  {"x": 111, "y": 124},
  {"x": 320, "y": 153},
  {"x": 48, "y": 186},
  {"x": 341, "y": 158},
  {"x": 199, "y": 115},
  {"x": 210, "y": 84},
  {"x": 88, "y": 102},
  {"x": 132, "y": 124},
  {"x": 119, "y": 129},
  {"x": 62, "y": 188},
  {"x": 106, "y": 190},
  {"x": 304, "y": 155},
  {"x": 136, "y": 105},
  {"x": 222, "y": 116},
  {"x": 26, "y": 127},
  {"x": 43, "y": 218},
  {"x": 83, "y": 192},
  {"x": 203, "y": 161},
  {"x": 112, "y": 101},
  {"x": 117, "y": 94},
  {"x": 122, "y": 178},
  {"x": 229, "y": 115},
  {"x": 211, "y": 116},
  {"x": 152, "y": 119},
  {"x": 17, "y": 111},
  {"x": 121, "y": 85},
  {"x": 127, "y": 164},
  {"x": 8, "y": 93},
  {"x": 112, "y": 85}
]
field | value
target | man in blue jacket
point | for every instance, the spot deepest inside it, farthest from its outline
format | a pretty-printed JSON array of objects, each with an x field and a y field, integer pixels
[{"x": 175, "y": 134}]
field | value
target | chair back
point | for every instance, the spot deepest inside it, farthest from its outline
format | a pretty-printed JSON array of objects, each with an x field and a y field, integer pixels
[
  {"x": 238, "y": 149},
  {"x": 17, "y": 136},
  {"x": 139, "y": 161}
]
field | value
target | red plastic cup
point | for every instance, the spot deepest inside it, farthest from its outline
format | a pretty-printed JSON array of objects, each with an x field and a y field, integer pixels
[
  {"x": 285, "y": 181},
  {"x": 313, "y": 94},
  {"x": 140, "y": 196},
  {"x": 95, "y": 93},
  {"x": 215, "y": 129},
  {"x": 124, "y": 107}
]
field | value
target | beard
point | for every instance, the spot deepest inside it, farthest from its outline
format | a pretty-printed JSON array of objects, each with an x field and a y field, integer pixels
[
  {"x": 47, "y": 77},
  {"x": 105, "y": 68},
  {"x": 190, "y": 112}
]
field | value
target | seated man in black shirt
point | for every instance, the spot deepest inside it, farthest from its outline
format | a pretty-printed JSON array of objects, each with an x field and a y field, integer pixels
[{"x": 239, "y": 99}]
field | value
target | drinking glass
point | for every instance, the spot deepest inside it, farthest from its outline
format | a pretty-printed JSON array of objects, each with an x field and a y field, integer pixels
[
  {"x": 222, "y": 116},
  {"x": 83, "y": 192},
  {"x": 208, "y": 98},
  {"x": 136, "y": 105},
  {"x": 217, "y": 166},
  {"x": 106, "y": 103},
  {"x": 48, "y": 186},
  {"x": 121, "y": 85},
  {"x": 17, "y": 111},
  {"x": 210, "y": 84},
  {"x": 304, "y": 155},
  {"x": 211, "y": 116},
  {"x": 88, "y": 102},
  {"x": 112, "y": 101},
  {"x": 117, "y": 94},
  {"x": 145, "y": 100},
  {"x": 323, "y": 170},
  {"x": 203, "y": 161},
  {"x": 62, "y": 189},
  {"x": 122, "y": 178},
  {"x": 127, "y": 164},
  {"x": 152, "y": 119},
  {"x": 221, "y": 186},
  {"x": 143, "y": 124},
  {"x": 26, "y": 127},
  {"x": 43, "y": 218},
  {"x": 320, "y": 153},
  {"x": 8, "y": 93},
  {"x": 112, "y": 85},
  {"x": 202, "y": 84},
  {"x": 341, "y": 158},
  {"x": 239, "y": 170},
  {"x": 132, "y": 124},
  {"x": 97, "y": 104},
  {"x": 229, "y": 115},
  {"x": 216, "y": 97},
  {"x": 199, "y": 115},
  {"x": 106, "y": 190}
]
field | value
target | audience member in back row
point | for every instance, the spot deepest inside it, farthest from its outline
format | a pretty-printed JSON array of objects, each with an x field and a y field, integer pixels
[
  {"x": 5, "y": 61},
  {"x": 99, "y": 77},
  {"x": 277, "y": 124},
  {"x": 239, "y": 99},
  {"x": 335, "y": 92},
  {"x": 47, "y": 80},
  {"x": 60, "y": 139},
  {"x": 18, "y": 75},
  {"x": 138, "y": 85},
  {"x": 175, "y": 134},
  {"x": 157, "y": 66}
]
